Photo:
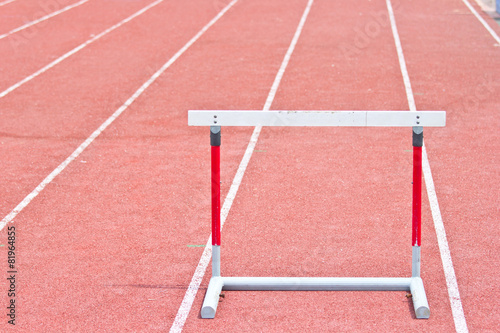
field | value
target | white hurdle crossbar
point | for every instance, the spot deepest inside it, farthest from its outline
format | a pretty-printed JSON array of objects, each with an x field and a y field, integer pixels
[{"x": 415, "y": 119}]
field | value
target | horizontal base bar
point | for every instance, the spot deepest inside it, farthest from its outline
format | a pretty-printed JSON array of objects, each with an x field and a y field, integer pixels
[
  {"x": 315, "y": 283},
  {"x": 414, "y": 284}
]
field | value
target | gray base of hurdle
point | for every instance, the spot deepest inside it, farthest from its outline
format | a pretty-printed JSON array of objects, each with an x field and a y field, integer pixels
[
  {"x": 415, "y": 119},
  {"x": 413, "y": 285}
]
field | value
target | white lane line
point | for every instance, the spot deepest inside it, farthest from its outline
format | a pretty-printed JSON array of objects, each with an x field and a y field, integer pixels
[
  {"x": 449, "y": 271},
  {"x": 451, "y": 280},
  {"x": 6, "y": 2},
  {"x": 46, "y": 17},
  {"x": 108, "y": 122},
  {"x": 483, "y": 22},
  {"x": 76, "y": 49},
  {"x": 187, "y": 302},
  {"x": 401, "y": 58},
  {"x": 286, "y": 59}
]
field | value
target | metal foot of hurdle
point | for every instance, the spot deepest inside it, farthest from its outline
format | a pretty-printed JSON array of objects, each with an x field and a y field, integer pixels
[{"x": 415, "y": 119}]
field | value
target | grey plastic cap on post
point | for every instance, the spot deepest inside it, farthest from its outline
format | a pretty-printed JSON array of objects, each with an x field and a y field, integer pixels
[
  {"x": 215, "y": 137},
  {"x": 418, "y": 136}
]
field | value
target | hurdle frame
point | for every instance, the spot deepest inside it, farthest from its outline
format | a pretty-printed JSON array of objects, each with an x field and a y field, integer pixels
[{"x": 415, "y": 119}]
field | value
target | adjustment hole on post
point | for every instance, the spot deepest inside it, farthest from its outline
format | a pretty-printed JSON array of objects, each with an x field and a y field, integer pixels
[
  {"x": 418, "y": 117},
  {"x": 215, "y": 116}
]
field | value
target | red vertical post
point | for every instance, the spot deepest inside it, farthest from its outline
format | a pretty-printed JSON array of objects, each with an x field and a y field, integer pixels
[
  {"x": 417, "y": 186},
  {"x": 215, "y": 154}
]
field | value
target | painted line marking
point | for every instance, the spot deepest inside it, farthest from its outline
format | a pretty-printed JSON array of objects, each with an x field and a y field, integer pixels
[
  {"x": 6, "y": 2},
  {"x": 449, "y": 271},
  {"x": 483, "y": 22},
  {"x": 46, "y": 17},
  {"x": 451, "y": 280},
  {"x": 401, "y": 58},
  {"x": 109, "y": 121},
  {"x": 76, "y": 49},
  {"x": 194, "y": 285}
]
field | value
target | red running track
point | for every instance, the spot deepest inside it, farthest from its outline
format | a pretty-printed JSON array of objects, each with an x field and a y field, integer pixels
[{"x": 110, "y": 243}]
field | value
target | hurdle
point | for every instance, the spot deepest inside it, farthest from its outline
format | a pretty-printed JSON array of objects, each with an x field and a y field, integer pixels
[{"x": 216, "y": 119}]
